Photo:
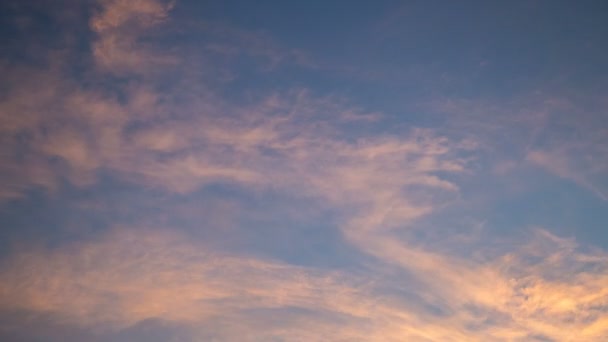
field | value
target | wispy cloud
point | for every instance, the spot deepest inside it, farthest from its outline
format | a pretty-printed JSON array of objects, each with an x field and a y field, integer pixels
[
  {"x": 581, "y": 168},
  {"x": 119, "y": 25},
  {"x": 153, "y": 118},
  {"x": 132, "y": 275}
]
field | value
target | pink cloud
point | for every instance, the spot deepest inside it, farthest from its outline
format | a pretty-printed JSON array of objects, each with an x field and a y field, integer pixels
[
  {"x": 296, "y": 144},
  {"x": 131, "y": 275},
  {"x": 118, "y": 26}
]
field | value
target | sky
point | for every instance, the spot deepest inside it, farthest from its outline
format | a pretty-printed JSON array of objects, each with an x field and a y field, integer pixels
[{"x": 303, "y": 170}]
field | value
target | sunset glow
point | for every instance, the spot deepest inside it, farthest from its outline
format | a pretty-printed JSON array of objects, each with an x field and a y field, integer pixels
[{"x": 303, "y": 171}]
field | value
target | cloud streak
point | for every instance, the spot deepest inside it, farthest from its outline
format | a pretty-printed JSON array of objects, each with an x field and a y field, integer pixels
[{"x": 132, "y": 275}]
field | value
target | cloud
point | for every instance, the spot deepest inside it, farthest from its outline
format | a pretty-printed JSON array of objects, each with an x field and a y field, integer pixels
[
  {"x": 583, "y": 169},
  {"x": 189, "y": 137},
  {"x": 560, "y": 131},
  {"x": 180, "y": 133},
  {"x": 119, "y": 25},
  {"x": 132, "y": 275}
]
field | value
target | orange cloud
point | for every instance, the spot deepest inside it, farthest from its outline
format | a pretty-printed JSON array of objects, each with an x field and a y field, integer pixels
[
  {"x": 293, "y": 143},
  {"x": 132, "y": 275}
]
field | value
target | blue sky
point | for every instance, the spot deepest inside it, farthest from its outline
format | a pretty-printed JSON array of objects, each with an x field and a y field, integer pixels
[{"x": 313, "y": 171}]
